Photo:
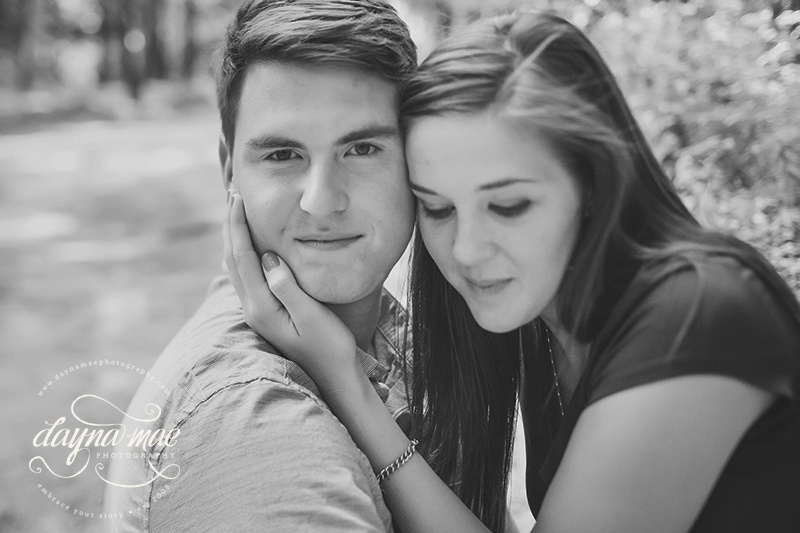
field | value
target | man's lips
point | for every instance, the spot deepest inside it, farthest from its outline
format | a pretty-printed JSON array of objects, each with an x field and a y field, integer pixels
[{"x": 328, "y": 242}]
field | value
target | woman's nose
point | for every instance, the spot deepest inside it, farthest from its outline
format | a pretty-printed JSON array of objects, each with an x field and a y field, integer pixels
[{"x": 472, "y": 243}]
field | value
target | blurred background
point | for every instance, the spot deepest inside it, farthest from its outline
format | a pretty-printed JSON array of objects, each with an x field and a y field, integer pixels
[{"x": 111, "y": 198}]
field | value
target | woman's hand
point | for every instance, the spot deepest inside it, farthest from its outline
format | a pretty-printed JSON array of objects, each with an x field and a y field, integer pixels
[
  {"x": 304, "y": 330},
  {"x": 309, "y": 334}
]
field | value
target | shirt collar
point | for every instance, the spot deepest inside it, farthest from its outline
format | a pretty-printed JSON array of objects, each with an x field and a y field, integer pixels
[{"x": 388, "y": 343}]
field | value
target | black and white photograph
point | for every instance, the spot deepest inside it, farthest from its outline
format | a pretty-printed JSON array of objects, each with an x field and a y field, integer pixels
[{"x": 400, "y": 266}]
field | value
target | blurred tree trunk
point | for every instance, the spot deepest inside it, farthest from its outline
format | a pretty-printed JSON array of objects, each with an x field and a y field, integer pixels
[
  {"x": 12, "y": 30},
  {"x": 133, "y": 46},
  {"x": 11, "y": 23},
  {"x": 134, "y": 52},
  {"x": 26, "y": 33},
  {"x": 112, "y": 34},
  {"x": 190, "y": 48},
  {"x": 154, "y": 46}
]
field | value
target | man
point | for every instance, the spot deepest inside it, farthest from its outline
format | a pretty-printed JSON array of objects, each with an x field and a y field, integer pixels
[{"x": 307, "y": 92}]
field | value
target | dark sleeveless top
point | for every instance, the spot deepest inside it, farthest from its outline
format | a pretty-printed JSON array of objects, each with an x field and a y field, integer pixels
[{"x": 698, "y": 315}]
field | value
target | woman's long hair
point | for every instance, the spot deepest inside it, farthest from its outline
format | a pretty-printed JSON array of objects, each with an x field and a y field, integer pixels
[{"x": 537, "y": 71}]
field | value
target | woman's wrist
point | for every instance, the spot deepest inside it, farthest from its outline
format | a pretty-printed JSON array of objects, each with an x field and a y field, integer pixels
[
  {"x": 357, "y": 405},
  {"x": 349, "y": 395},
  {"x": 342, "y": 385}
]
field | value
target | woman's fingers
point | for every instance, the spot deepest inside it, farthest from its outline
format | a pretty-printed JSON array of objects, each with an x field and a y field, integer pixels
[
  {"x": 231, "y": 253},
  {"x": 227, "y": 254},
  {"x": 243, "y": 255},
  {"x": 283, "y": 285},
  {"x": 244, "y": 268},
  {"x": 323, "y": 346},
  {"x": 274, "y": 305}
]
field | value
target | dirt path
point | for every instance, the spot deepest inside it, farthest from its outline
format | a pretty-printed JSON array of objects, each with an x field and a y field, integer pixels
[{"x": 108, "y": 238}]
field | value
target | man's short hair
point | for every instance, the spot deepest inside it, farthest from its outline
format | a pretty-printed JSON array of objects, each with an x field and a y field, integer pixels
[{"x": 362, "y": 33}]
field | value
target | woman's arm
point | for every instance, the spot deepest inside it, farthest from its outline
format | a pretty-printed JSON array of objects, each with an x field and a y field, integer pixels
[
  {"x": 418, "y": 499},
  {"x": 314, "y": 338},
  {"x": 647, "y": 458}
]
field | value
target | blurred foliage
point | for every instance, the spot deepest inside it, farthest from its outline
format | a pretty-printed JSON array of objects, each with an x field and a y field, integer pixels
[
  {"x": 60, "y": 46},
  {"x": 718, "y": 90},
  {"x": 716, "y": 85}
]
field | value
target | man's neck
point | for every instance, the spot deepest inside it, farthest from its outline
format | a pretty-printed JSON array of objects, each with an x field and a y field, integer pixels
[{"x": 361, "y": 318}]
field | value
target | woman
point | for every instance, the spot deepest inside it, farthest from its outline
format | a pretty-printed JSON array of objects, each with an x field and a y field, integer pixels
[{"x": 660, "y": 362}]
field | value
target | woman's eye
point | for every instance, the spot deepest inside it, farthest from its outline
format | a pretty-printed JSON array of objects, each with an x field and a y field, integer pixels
[
  {"x": 362, "y": 149},
  {"x": 282, "y": 155},
  {"x": 438, "y": 214},
  {"x": 510, "y": 211}
]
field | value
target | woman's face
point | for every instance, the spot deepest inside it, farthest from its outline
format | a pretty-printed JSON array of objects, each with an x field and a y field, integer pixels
[{"x": 498, "y": 211}]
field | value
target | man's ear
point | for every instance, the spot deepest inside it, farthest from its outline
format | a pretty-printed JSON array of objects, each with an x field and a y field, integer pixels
[{"x": 226, "y": 163}]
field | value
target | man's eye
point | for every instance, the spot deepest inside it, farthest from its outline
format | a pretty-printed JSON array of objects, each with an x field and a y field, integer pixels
[
  {"x": 510, "y": 211},
  {"x": 438, "y": 214},
  {"x": 282, "y": 155},
  {"x": 362, "y": 149}
]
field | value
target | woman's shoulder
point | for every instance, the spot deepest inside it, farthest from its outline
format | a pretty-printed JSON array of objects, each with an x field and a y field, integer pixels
[
  {"x": 723, "y": 282},
  {"x": 700, "y": 313}
]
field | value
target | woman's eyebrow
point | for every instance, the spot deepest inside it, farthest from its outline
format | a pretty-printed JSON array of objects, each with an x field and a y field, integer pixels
[
  {"x": 420, "y": 188},
  {"x": 485, "y": 187},
  {"x": 505, "y": 183}
]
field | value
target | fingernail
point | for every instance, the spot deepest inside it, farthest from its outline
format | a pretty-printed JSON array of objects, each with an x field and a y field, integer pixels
[{"x": 270, "y": 261}]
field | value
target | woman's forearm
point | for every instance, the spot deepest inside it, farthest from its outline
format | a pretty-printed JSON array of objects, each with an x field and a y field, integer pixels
[{"x": 418, "y": 498}]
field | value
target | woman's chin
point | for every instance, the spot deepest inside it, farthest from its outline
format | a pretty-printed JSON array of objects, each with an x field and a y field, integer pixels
[{"x": 493, "y": 323}]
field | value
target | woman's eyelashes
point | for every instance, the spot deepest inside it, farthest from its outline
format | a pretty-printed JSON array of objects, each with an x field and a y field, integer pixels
[
  {"x": 436, "y": 213},
  {"x": 504, "y": 210},
  {"x": 512, "y": 210}
]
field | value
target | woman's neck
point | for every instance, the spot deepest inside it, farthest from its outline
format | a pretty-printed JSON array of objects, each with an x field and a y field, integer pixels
[{"x": 569, "y": 357}]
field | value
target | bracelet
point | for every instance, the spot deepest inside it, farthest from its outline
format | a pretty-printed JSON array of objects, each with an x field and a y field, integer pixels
[{"x": 400, "y": 461}]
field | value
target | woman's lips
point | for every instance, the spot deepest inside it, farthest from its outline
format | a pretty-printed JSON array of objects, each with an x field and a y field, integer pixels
[{"x": 488, "y": 286}]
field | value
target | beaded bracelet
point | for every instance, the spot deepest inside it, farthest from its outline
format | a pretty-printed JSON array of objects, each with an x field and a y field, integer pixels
[{"x": 400, "y": 461}]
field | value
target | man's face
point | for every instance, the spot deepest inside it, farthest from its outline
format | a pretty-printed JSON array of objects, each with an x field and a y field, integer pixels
[{"x": 318, "y": 159}]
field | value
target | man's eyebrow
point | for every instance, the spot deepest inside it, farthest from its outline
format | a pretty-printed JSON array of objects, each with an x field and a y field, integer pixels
[
  {"x": 485, "y": 187},
  {"x": 369, "y": 132},
  {"x": 265, "y": 142}
]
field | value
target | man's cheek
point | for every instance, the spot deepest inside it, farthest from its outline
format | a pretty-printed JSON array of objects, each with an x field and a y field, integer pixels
[{"x": 265, "y": 236}]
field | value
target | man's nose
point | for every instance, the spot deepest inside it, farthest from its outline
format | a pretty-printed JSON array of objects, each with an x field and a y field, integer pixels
[
  {"x": 324, "y": 190},
  {"x": 473, "y": 243}
]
